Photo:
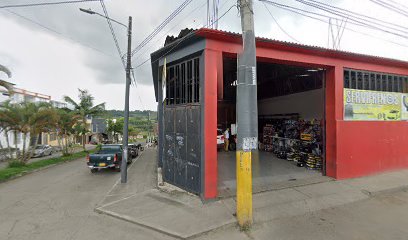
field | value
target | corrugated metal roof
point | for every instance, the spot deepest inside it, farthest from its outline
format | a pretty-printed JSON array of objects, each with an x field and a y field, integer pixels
[{"x": 299, "y": 45}]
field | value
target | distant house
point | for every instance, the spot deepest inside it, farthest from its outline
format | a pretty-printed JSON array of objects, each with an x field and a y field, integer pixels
[
  {"x": 58, "y": 104},
  {"x": 97, "y": 129}
]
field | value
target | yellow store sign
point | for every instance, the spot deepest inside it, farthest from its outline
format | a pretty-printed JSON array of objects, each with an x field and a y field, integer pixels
[{"x": 374, "y": 105}]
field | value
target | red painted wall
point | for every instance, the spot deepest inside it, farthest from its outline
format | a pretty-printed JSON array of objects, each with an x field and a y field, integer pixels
[
  {"x": 353, "y": 148},
  {"x": 210, "y": 123},
  {"x": 366, "y": 148}
]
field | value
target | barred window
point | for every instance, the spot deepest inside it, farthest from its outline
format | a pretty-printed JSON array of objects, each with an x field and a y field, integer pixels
[
  {"x": 375, "y": 81},
  {"x": 183, "y": 82}
]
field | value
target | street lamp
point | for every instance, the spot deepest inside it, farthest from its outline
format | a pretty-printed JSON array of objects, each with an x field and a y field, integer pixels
[
  {"x": 89, "y": 11},
  {"x": 125, "y": 140}
]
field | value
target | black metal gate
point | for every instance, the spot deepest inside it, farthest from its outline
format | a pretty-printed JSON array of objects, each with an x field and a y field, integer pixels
[{"x": 182, "y": 148}]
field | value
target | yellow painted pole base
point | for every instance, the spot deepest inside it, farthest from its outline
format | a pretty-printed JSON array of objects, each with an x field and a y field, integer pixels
[{"x": 244, "y": 189}]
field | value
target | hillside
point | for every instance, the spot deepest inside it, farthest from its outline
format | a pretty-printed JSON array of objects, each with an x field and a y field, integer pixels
[{"x": 136, "y": 114}]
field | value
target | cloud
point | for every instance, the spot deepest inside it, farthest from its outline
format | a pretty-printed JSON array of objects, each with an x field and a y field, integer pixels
[{"x": 82, "y": 52}]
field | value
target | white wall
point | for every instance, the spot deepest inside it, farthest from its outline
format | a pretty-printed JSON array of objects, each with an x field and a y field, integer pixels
[{"x": 308, "y": 104}]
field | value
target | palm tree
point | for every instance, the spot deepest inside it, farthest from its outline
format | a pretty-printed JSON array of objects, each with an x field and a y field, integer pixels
[
  {"x": 4, "y": 83},
  {"x": 9, "y": 120},
  {"x": 85, "y": 108},
  {"x": 66, "y": 123},
  {"x": 29, "y": 119},
  {"x": 9, "y": 86}
]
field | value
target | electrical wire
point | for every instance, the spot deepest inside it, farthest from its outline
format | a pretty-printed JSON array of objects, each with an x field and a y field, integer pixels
[
  {"x": 112, "y": 32},
  {"x": 399, "y": 4},
  {"x": 161, "y": 26},
  {"x": 194, "y": 10},
  {"x": 359, "y": 15},
  {"x": 350, "y": 18},
  {"x": 56, "y": 32},
  {"x": 355, "y": 20},
  {"x": 283, "y": 30},
  {"x": 45, "y": 3},
  {"x": 189, "y": 14},
  {"x": 159, "y": 39},
  {"x": 183, "y": 39},
  {"x": 390, "y": 7},
  {"x": 302, "y": 13}
]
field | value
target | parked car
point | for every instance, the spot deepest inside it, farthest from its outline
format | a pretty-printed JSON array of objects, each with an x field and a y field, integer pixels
[
  {"x": 43, "y": 150},
  {"x": 133, "y": 150},
  {"x": 108, "y": 156},
  {"x": 220, "y": 139}
]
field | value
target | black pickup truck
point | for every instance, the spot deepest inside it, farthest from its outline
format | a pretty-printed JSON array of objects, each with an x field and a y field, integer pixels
[{"x": 108, "y": 156}]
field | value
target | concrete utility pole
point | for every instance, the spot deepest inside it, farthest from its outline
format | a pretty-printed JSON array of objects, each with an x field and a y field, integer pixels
[
  {"x": 123, "y": 168},
  {"x": 247, "y": 115}
]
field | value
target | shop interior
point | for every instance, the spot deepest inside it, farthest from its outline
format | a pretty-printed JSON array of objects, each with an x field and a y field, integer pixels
[{"x": 291, "y": 102}]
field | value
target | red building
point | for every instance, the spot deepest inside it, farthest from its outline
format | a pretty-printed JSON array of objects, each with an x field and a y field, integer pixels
[{"x": 359, "y": 100}]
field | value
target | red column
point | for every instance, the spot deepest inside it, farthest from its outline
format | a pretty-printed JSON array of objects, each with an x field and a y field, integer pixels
[
  {"x": 211, "y": 65},
  {"x": 334, "y": 113},
  {"x": 210, "y": 124}
]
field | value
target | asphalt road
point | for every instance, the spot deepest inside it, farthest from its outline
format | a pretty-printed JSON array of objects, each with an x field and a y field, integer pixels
[{"x": 58, "y": 203}]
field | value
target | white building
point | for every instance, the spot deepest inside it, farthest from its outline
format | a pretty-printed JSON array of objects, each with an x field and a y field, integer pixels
[{"x": 21, "y": 95}]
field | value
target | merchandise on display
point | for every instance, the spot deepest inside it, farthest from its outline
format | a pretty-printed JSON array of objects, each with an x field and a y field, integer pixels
[{"x": 299, "y": 141}]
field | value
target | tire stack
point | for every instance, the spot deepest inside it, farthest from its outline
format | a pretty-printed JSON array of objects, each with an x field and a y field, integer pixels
[{"x": 313, "y": 162}]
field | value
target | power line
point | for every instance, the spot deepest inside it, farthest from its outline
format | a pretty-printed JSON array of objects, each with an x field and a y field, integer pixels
[
  {"x": 357, "y": 19},
  {"x": 399, "y": 4},
  {"x": 161, "y": 26},
  {"x": 350, "y": 18},
  {"x": 183, "y": 39},
  {"x": 303, "y": 12},
  {"x": 112, "y": 32},
  {"x": 45, "y": 3},
  {"x": 283, "y": 30},
  {"x": 390, "y": 7},
  {"x": 56, "y": 32},
  {"x": 162, "y": 36},
  {"x": 359, "y": 15}
]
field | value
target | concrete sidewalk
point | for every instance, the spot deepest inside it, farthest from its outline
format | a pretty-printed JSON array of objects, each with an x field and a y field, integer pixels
[{"x": 184, "y": 216}]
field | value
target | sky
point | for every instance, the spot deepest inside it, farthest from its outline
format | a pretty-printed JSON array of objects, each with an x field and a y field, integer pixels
[{"x": 55, "y": 50}]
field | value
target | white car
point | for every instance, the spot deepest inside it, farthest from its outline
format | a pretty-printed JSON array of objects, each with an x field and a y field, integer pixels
[
  {"x": 43, "y": 150},
  {"x": 220, "y": 139}
]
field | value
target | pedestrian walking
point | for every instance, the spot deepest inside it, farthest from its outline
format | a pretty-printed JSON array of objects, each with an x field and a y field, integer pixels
[{"x": 226, "y": 140}]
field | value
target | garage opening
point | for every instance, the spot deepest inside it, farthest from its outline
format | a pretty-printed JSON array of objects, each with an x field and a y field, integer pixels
[{"x": 291, "y": 134}]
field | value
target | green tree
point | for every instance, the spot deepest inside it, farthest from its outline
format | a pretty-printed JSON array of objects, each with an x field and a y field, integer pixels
[
  {"x": 8, "y": 122},
  {"x": 65, "y": 127},
  {"x": 29, "y": 119},
  {"x": 84, "y": 108},
  {"x": 133, "y": 132},
  {"x": 115, "y": 128},
  {"x": 4, "y": 127}
]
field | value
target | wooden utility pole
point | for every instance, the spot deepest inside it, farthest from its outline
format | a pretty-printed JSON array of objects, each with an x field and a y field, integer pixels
[{"x": 247, "y": 115}]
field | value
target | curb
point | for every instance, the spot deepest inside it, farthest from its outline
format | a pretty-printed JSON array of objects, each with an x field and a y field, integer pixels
[
  {"x": 130, "y": 220},
  {"x": 385, "y": 191},
  {"x": 158, "y": 229}
]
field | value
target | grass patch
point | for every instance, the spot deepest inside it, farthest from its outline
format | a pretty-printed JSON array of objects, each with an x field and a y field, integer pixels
[
  {"x": 16, "y": 164},
  {"x": 15, "y": 169}
]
